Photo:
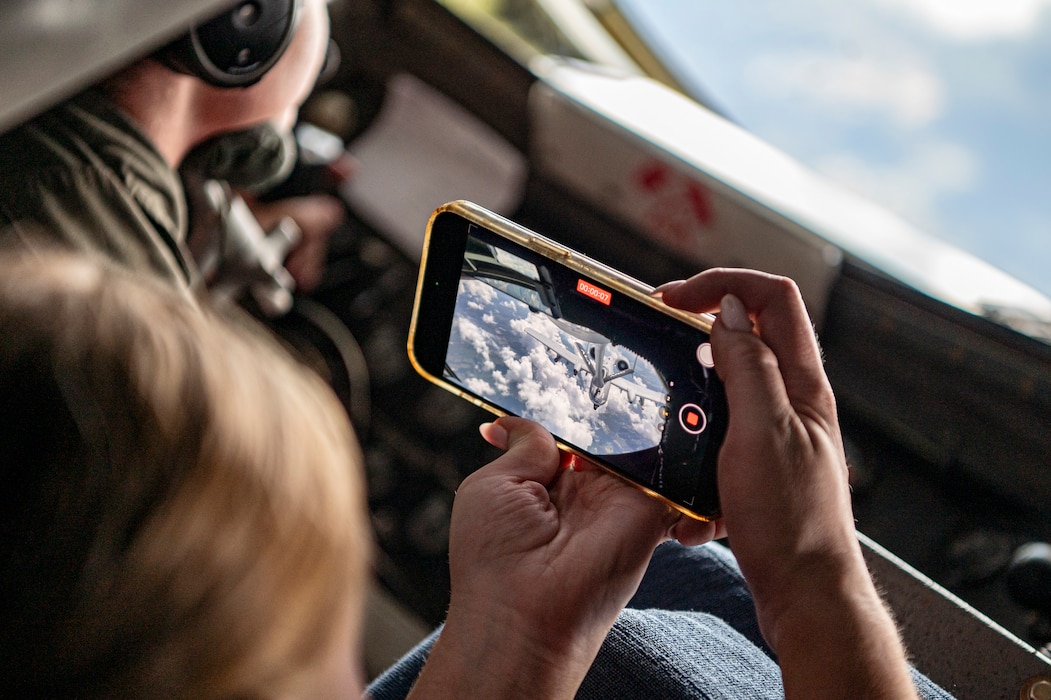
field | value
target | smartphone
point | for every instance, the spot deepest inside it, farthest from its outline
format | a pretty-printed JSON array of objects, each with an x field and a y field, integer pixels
[{"x": 521, "y": 325}]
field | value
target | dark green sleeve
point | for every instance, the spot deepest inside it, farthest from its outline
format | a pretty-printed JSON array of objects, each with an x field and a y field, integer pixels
[{"x": 87, "y": 212}]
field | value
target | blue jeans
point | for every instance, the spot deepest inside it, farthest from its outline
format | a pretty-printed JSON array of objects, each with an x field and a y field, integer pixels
[{"x": 689, "y": 632}]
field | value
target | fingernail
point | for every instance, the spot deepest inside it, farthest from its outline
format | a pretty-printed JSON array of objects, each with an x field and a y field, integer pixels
[
  {"x": 659, "y": 291},
  {"x": 495, "y": 434},
  {"x": 733, "y": 314}
]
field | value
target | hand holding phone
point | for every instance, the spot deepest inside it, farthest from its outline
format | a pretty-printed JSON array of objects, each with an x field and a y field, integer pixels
[
  {"x": 521, "y": 325},
  {"x": 786, "y": 495},
  {"x": 542, "y": 561}
]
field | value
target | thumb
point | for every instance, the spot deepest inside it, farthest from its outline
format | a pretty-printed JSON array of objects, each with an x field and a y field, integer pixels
[{"x": 530, "y": 450}]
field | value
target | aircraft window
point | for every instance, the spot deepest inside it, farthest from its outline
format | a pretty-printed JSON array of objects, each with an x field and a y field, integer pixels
[
  {"x": 521, "y": 22},
  {"x": 932, "y": 109},
  {"x": 517, "y": 264},
  {"x": 567, "y": 28},
  {"x": 524, "y": 294},
  {"x": 935, "y": 109}
]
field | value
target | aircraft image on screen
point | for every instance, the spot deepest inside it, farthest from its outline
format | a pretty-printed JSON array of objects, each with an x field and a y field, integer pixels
[
  {"x": 511, "y": 346},
  {"x": 597, "y": 365}
]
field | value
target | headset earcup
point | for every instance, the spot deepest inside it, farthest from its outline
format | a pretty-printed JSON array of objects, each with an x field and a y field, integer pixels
[{"x": 238, "y": 47}]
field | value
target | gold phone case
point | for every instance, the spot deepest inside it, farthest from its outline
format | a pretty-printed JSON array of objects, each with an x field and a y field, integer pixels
[{"x": 571, "y": 259}]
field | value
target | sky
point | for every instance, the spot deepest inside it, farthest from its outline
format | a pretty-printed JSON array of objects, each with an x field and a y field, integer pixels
[{"x": 939, "y": 110}]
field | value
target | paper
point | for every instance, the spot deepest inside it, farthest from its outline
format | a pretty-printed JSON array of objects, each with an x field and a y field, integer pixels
[{"x": 425, "y": 150}]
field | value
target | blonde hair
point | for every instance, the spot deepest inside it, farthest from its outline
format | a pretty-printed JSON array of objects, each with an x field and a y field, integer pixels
[{"x": 183, "y": 514}]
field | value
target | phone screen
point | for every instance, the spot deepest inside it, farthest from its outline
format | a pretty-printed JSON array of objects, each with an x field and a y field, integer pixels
[{"x": 632, "y": 388}]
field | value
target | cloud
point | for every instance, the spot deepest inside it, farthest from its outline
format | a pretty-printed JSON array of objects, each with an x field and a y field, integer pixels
[
  {"x": 975, "y": 19},
  {"x": 481, "y": 293},
  {"x": 474, "y": 335},
  {"x": 910, "y": 94},
  {"x": 479, "y": 386},
  {"x": 550, "y": 395},
  {"x": 913, "y": 186},
  {"x": 503, "y": 387},
  {"x": 516, "y": 371}
]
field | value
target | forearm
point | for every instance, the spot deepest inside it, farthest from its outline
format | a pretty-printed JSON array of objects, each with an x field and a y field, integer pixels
[
  {"x": 494, "y": 658},
  {"x": 841, "y": 642}
]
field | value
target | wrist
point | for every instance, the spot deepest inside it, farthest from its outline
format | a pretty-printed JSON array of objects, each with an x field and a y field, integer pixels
[
  {"x": 836, "y": 638},
  {"x": 815, "y": 587},
  {"x": 486, "y": 655},
  {"x": 823, "y": 602}
]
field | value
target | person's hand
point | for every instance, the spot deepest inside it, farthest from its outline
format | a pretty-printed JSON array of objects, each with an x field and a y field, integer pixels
[
  {"x": 317, "y": 217},
  {"x": 784, "y": 492},
  {"x": 782, "y": 474},
  {"x": 542, "y": 560}
]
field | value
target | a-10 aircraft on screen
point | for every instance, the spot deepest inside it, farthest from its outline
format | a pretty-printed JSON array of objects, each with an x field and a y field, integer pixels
[{"x": 592, "y": 361}]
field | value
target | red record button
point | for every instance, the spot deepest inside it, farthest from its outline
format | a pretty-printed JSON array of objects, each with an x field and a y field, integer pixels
[{"x": 692, "y": 419}]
